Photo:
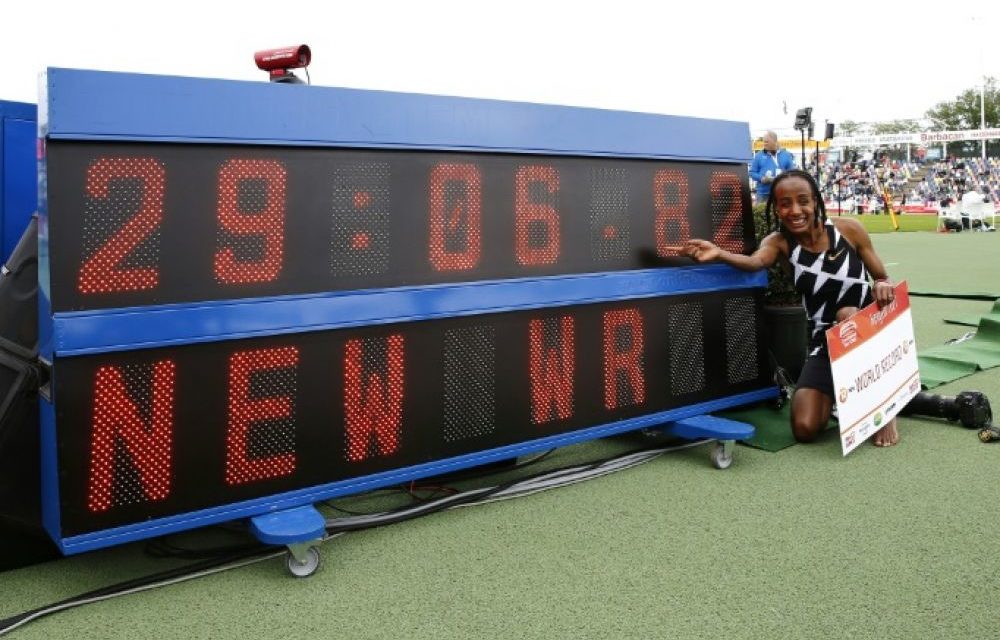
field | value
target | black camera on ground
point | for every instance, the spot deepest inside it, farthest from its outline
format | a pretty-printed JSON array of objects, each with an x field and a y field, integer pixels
[{"x": 971, "y": 408}]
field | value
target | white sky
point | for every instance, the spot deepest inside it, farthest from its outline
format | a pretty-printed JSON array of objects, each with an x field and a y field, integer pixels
[{"x": 848, "y": 59}]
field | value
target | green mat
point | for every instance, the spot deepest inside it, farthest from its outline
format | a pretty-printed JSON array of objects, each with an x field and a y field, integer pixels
[
  {"x": 774, "y": 432},
  {"x": 772, "y": 425},
  {"x": 952, "y": 361},
  {"x": 965, "y": 321},
  {"x": 973, "y": 321}
]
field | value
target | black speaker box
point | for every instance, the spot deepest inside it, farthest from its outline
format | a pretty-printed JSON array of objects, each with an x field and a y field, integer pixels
[
  {"x": 19, "y": 296},
  {"x": 20, "y": 455}
]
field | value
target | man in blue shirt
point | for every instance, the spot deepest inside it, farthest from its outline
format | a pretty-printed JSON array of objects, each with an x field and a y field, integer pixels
[{"x": 768, "y": 164}]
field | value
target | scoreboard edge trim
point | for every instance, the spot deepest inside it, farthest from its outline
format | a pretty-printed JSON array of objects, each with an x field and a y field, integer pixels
[
  {"x": 123, "y": 329},
  {"x": 81, "y": 104}
]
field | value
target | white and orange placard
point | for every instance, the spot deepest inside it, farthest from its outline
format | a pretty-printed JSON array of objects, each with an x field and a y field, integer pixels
[{"x": 874, "y": 360}]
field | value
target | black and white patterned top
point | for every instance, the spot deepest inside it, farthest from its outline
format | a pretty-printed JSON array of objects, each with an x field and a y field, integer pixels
[{"x": 828, "y": 281}]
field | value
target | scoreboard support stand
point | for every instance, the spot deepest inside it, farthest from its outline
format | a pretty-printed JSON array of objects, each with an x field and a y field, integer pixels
[
  {"x": 300, "y": 529},
  {"x": 726, "y": 432}
]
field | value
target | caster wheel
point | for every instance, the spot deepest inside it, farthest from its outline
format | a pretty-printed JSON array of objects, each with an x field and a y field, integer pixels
[
  {"x": 719, "y": 458},
  {"x": 306, "y": 567}
]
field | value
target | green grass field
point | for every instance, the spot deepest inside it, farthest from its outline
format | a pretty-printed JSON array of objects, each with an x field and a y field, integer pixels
[{"x": 883, "y": 224}]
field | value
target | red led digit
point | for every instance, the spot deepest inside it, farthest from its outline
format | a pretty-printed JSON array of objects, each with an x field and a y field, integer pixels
[
  {"x": 550, "y": 366},
  {"x": 145, "y": 436},
  {"x": 536, "y": 224},
  {"x": 621, "y": 359},
  {"x": 727, "y": 211},
  {"x": 101, "y": 271},
  {"x": 373, "y": 405},
  {"x": 455, "y": 211},
  {"x": 248, "y": 408},
  {"x": 261, "y": 183},
  {"x": 670, "y": 199}
]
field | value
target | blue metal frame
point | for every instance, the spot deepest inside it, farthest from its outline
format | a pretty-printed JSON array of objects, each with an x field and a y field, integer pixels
[
  {"x": 18, "y": 180},
  {"x": 94, "y": 105},
  {"x": 50, "y": 468},
  {"x": 80, "y": 333},
  {"x": 705, "y": 426},
  {"x": 18, "y": 110},
  {"x": 311, "y": 495}
]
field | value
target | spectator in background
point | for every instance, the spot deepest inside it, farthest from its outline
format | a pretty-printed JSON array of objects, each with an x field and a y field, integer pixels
[
  {"x": 971, "y": 197},
  {"x": 768, "y": 164}
]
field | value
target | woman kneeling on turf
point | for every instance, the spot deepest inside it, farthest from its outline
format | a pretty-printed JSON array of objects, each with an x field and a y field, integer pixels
[{"x": 832, "y": 261}]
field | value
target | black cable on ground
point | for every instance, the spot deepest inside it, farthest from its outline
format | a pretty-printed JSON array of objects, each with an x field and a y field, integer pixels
[
  {"x": 131, "y": 586},
  {"x": 410, "y": 511},
  {"x": 240, "y": 555}
]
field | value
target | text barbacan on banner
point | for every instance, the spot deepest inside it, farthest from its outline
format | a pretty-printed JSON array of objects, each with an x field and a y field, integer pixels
[{"x": 922, "y": 138}]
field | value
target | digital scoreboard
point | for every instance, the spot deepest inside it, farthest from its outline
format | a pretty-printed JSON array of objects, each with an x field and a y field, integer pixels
[
  {"x": 256, "y": 297},
  {"x": 159, "y": 223}
]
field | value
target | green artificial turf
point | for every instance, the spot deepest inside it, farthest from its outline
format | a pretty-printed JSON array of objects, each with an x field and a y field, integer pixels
[
  {"x": 883, "y": 223},
  {"x": 772, "y": 432},
  {"x": 965, "y": 321},
  {"x": 771, "y": 425},
  {"x": 952, "y": 361},
  {"x": 973, "y": 320},
  {"x": 945, "y": 264},
  {"x": 940, "y": 363}
]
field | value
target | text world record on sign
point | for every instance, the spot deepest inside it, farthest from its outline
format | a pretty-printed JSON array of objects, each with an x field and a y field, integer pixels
[{"x": 873, "y": 356}]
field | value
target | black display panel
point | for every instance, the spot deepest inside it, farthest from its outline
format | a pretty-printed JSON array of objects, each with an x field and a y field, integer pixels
[
  {"x": 141, "y": 224},
  {"x": 157, "y": 432}
]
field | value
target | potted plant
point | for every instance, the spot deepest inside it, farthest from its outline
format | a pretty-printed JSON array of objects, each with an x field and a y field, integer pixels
[{"x": 785, "y": 324}]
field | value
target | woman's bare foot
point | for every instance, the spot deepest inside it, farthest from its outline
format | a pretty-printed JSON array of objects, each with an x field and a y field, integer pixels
[{"x": 887, "y": 435}]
